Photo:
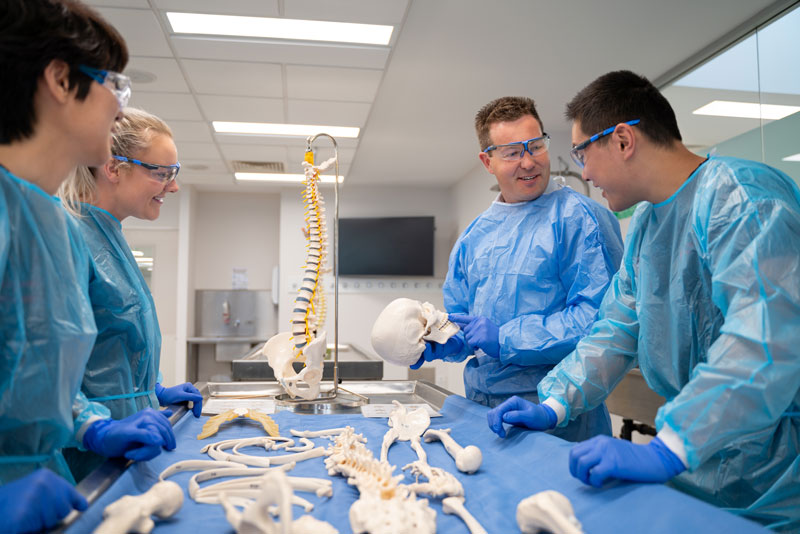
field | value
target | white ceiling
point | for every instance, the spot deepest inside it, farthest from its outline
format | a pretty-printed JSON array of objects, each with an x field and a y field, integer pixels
[{"x": 414, "y": 99}]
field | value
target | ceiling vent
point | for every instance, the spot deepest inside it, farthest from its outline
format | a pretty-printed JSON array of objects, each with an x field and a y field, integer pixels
[{"x": 274, "y": 167}]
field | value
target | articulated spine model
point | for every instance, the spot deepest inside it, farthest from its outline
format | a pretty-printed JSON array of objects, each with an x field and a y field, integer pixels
[
  {"x": 274, "y": 490},
  {"x": 548, "y": 511},
  {"x": 402, "y": 328},
  {"x": 212, "y": 425},
  {"x": 384, "y": 506},
  {"x": 132, "y": 513},
  {"x": 468, "y": 459},
  {"x": 305, "y": 343}
]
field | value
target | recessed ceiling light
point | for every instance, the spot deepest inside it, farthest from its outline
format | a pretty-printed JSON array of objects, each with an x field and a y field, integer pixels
[
  {"x": 284, "y": 130},
  {"x": 267, "y": 177},
  {"x": 276, "y": 28},
  {"x": 795, "y": 157},
  {"x": 746, "y": 110},
  {"x": 137, "y": 253}
]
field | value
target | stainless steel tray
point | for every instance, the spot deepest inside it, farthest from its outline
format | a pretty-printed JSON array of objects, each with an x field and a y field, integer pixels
[{"x": 376, "y": 391}]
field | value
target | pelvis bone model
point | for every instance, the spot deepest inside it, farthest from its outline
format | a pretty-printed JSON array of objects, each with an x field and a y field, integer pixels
[
  {"x": 305, "y": 343},
  {"x": 401, "y": 330}
]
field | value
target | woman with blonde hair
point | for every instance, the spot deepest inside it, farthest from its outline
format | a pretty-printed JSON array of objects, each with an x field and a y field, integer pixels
[{"x": 122, "y": 372}]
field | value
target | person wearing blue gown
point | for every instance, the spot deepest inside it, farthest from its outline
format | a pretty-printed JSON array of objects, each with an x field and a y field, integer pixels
[
  {"x": 62, "y": 93},
  {"x": 706, "y": 303},
  {"x": 526, "y": 277},
  {"x": 123, "y": 371}
]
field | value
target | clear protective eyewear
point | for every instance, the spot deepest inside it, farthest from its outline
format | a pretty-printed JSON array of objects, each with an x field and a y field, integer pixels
[
  {"x": 118, "y": 84},
  {"x": 578, "y": 152},
  {"x": 517, "y": 150},
  {"x": 163, "y": 173}
]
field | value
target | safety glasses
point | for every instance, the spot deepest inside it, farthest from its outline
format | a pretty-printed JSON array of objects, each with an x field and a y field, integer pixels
[
  {"x": 516, "y": 151},
  {"x": 118, "y": 84},
  {"x": 578, "y": 152},
  {"x": 163, "y": 173}
]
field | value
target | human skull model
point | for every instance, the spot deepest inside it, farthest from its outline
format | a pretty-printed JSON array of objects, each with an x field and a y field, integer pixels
[{"x": 401, "y": 330}]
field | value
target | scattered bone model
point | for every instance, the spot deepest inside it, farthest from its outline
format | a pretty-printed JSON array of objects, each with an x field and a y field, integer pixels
[
  {"x": 401, "y": 329},
  {"x": 274, "y": 490},
  {"x": 468, "y": 459},
  {"x": 384, "y": 506},
  {"x": 305, "y": 343},
  {"x": 212, "y": 425},
  {"x": 405, "y": 426},
  {"x": 455, "y": 505},
  {"x": 548, "y": 511},
  {"x": 132, "y": 513}
]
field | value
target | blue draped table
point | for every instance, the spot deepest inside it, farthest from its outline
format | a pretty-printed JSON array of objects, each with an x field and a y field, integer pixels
[{"x": 513, "y": 468}]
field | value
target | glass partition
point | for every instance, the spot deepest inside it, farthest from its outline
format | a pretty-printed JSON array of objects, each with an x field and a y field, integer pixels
[{"x": 745, "y": 101}]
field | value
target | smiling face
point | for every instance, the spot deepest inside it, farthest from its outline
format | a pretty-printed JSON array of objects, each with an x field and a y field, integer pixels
[
  {"x": 603, "y": 166},
  {"x": 523, "y": 179},
  {"x": 139, "y": 194}
]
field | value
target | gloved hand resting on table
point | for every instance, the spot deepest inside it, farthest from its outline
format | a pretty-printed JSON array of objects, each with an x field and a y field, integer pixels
[
  {"x": 520, "y": 412},
  {"x": 37, "y": 501},
  {"x": 480, "y": 332},
  {"x": 185, "y": 392},
  {"x": 137, "y": 437},
  {"x": 603, "y": 458},
  {"x": 438, "y": 351}
]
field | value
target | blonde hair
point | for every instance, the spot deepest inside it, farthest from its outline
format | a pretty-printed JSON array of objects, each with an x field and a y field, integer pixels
[{"x": 132, "y": 134}]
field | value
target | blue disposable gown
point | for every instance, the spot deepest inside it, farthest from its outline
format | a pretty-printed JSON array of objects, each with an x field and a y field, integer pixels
[
  {"x": 46, "y": 331},
  {"x": 539, "y": 271},
  {"x": 707, "y": 302},
  {"x": 123, "y": 368}
]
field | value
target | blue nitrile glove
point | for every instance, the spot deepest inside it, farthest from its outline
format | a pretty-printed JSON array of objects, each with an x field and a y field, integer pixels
[
  {"x": 520, "y": 412},
  {"x": 438, "y": 351},
  {"x": 37, "y": 501},
  {"x": 137, "y": 437},
  {"x": 603, "y": 458},
  {"x": 480, "y": 332},
  {"x": 185, "y": 392}
]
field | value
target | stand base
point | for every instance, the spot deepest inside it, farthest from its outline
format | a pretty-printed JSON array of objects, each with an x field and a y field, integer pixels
[{"x": 339, "y": 401}]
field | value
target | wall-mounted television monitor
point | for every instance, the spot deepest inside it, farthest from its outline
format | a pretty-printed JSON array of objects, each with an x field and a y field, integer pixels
[{"x": 387, "y": 246}]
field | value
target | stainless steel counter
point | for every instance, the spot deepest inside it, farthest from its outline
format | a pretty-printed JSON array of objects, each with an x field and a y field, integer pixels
[{"x": 354, "y": 364}]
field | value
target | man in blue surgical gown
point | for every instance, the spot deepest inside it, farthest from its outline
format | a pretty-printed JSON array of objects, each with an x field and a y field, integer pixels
[
  {"x": 707, "y": 303},
  {"x": 526, "y": 277}
]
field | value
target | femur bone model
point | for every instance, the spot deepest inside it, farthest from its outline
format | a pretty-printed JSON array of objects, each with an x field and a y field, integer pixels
[
  {"x": 402, "y": 328},
  {"x": 304, "y": 343}
]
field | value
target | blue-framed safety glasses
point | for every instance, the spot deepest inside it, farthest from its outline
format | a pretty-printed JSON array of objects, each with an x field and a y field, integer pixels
[
  {"x": 515, "y": 151},
  {"x": 118, "y": 84},
  {"x": 163, "y": 173},
  {"x": 578, "y": 152}
]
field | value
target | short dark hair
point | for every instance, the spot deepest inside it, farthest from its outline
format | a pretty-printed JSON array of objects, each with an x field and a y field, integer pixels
[
  {"x": 35, "y": 32},
  {"x": 504, "y": 109},
  {"x": 622, "y": 96}
]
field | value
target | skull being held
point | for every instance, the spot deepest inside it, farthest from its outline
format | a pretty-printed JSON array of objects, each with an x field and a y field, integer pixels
[{"x": 401, "y": 330}]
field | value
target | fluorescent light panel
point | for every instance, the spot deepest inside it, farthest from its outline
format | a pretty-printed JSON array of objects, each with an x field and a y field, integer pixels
[
  {"x": 302, "y": 30},
  {"x": 746, "y": 110},
  {"x": 268, "y": 177},
  {"x": 795, "y": 157},
  {"x": 284, "y": 130}
]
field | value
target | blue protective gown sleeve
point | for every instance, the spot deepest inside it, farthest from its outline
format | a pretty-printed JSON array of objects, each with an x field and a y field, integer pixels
[
  {"x": 84, "y": 413},
  {"x": 585, "y": 377},
  {"x": 586, "y": 263}
]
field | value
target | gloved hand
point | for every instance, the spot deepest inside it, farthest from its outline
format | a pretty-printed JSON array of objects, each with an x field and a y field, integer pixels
[
  {"x": 603, "y": 458},
  {"x": 185, "y": 392},
  {"x": 137, "y": 437},
  {"x": 438, "y": 351},
  {"x": 520, "y": 412},
  {"x": 37, "y": 501},
  {"x": 480, "y": 332}
]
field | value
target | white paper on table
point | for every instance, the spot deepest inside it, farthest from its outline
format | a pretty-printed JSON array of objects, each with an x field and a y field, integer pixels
[
  {"x": 383, "y": 410},
  {"x": 216, "y": 406}
]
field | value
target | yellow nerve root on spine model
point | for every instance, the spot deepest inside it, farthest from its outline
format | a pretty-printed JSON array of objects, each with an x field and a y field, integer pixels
[{"x": 305, "y": 343}]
